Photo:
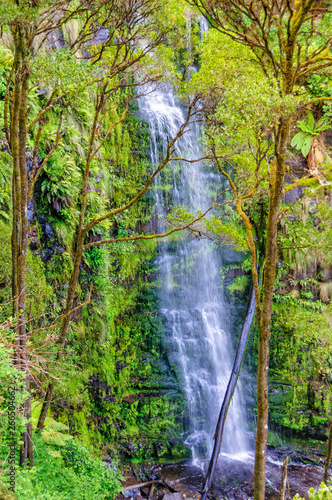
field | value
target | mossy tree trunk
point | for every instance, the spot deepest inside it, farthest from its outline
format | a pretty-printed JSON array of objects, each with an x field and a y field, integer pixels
[
  {"x": 276, "y": 182},
  {"x": 20, "y": 229}
]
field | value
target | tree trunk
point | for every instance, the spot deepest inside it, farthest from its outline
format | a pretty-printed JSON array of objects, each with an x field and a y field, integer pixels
[
  {"x": 229, "y": 393},
  {"x": 66, "y": 322},
  {"x": 20, "y": 230},
  {"x": 277, "y": 176},
  {"x": 283, "y": 484}
]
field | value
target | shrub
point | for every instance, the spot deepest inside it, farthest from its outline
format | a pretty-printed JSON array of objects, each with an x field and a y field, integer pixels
[
  {"x": 323, "y": 493},
  {"x": 76, "y": 475}
]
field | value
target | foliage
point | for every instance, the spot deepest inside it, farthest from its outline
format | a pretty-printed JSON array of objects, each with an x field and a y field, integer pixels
[
  {"x": 324, "y": 492},
  {"x": 12, "y": 392},
  {"x": 239, "y": 284},
  {"x": 303, "y": 140},
  {"x": 113, "y": 361},
  {"x": 73, "y": 475},
  {"x": 320, "y": 85}
]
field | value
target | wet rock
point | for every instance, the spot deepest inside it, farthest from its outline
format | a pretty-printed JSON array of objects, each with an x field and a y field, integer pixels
[
  {"x": 58, "y": 249},
  {"x": 48, "y": 231},
  {"x": 98, "y": 178},
  {"x": 33, "y": 239},
  {"x": 47, "y": 255},
  {"x": 120, "y": 366},
  {"x": 293, "y": 195},
  {"x": 183, "y": 478},
  {"x": 31, "y": 211},
  {"x": 30, "y": 216},
  {"x": 234, "y": 478},
  {"x": 173, "y": 496}
]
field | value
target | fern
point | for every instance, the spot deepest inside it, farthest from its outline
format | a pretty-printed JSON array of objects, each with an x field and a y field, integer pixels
[
  {"x": 239, "y": 284},
  {"x": 54, "y": 433}
]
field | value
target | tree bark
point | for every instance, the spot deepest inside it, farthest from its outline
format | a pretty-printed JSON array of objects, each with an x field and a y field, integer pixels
[
  {"x": 277, "y": 176},
  {"x": 20, "y": 230}
]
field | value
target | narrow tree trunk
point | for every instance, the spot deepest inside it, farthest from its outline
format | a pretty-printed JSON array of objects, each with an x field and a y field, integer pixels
[
  {"x": 277, "y": 176},
  {"x": 24, "y": 230},
  {"x": 20, "y": 230},
  {"x": 64, "y": 326},
  {"x": 46, "y": 405},
  {"x": 30, "y": 452},
  {"x": 16, "y": 191},
  {"x": 328, "y": 456},
  {"x": 229, "y": 394},
  {"x": 283, "y": 484}
]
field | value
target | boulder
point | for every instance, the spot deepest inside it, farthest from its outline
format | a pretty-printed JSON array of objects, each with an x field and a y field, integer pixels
[{"x": 173, "y": 496}]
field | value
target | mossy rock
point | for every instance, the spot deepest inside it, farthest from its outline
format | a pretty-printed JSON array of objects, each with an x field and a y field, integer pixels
[{"x": 274, "y": 440}]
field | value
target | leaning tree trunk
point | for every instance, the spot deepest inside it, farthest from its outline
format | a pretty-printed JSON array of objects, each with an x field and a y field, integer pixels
[
  {"x": 229, "y": 394},
  {"x": 64, "y": 327}
]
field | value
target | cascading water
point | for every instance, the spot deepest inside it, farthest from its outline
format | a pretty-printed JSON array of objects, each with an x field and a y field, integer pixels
[{"x": 191, "y": 296}]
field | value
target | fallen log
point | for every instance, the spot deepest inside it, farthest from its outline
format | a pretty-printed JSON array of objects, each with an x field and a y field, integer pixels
[
  {"x": 141, "y": 485},
  {"x": 229, "y": 394}
]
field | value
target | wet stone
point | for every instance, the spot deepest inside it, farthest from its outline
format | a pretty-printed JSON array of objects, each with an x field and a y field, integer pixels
[{"x": 173, "y": 496}]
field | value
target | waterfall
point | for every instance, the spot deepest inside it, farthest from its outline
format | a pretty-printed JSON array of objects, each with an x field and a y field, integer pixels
[
  {"x": 192, "y": 300},
  {"x": 203, "y": 26}
]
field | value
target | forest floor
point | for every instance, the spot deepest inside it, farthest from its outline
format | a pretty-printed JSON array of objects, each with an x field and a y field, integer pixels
[{"x": 233, "y": 478}]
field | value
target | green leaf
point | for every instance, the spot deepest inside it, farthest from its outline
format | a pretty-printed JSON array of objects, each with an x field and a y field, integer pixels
[
  {"x": 323, "y": 127},
  {"x": 311, "y": 121},
  {"x": 297, "y": 138},
  {"x": 306, "y": 146},
  {"x": 305, "y": 127},
  {"x": 4, "y": 215},
  {"x": 302, "y": 141}
]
